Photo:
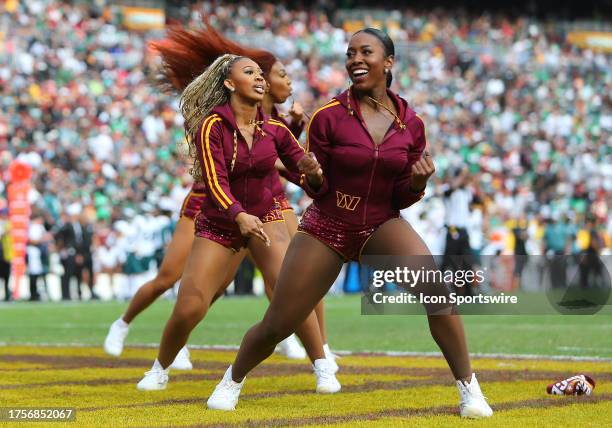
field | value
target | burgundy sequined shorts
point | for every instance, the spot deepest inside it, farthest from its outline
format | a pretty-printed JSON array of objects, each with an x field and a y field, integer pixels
[
  {"x": 230, "y": 236},
  {"x": 192, "y": 204},
  {"x": 285, "y": 205},
  {"x": 346, "y": 239}
]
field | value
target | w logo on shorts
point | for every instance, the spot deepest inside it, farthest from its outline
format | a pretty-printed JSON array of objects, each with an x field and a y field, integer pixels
[{"x": 347, "y": 202}]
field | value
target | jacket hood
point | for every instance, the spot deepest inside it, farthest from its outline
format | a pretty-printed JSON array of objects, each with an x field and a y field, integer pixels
[
  {"x": 226, "y": 113},
  {"x": 351, "y": 103}
]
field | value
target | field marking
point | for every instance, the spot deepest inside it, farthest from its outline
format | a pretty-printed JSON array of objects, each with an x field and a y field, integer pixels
[
  {"x": 340, "y": 352},
  {"x": 578, "y": 348}
]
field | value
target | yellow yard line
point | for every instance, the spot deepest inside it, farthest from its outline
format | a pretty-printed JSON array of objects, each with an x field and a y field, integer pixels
[{"x": 371, "y": 398}]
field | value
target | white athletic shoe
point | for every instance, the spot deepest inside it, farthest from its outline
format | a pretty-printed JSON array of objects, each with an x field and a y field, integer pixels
[
  {"x": 331, "y": 357},
  {"x": 473, "y": 404},
  {"x": 181, "y": 361},
  {"x": 291, "y": 348},
  {"x": 113, "y": 344},
  {"x": 155, "y": 379},
  {"x": 326, "y": 377},
  {"x": 226, "y": 393}
]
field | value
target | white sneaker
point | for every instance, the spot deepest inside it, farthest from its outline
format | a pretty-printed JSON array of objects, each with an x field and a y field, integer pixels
[
  {"x": 181, "y": 361},
  {"x": 326, "y": 377},
  {"x": 291, "y": 348},
  {"x": 113, "y": 344},
  {"x": 331, "y": 357},
  {"x": 473, "y": 404},
  {"x": 226, "y": 393},
  {"x": 155, "y": 379}
]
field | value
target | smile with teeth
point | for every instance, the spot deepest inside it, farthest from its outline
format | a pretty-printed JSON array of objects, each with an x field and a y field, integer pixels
[
  {"x": 360, "y": 72},
  {"x": 259, "y": 89}
]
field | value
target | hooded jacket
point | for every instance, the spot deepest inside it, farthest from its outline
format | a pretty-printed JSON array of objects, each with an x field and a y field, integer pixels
[
  {"x": 296, "y": 130},
  {"x": 236, "y": 177},
  {"x": 193, "y": 201},
  {"x": 363, "y": 183}
]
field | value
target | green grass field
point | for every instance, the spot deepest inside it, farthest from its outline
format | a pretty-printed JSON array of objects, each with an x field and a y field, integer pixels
[
  {"x": 41, "y": 366},
  {"x": 87, "y": 323}
]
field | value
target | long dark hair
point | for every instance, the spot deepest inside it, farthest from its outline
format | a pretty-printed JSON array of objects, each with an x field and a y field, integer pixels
[
  {"x": 186, "y": 54},
  {"x": 387, "y": 44}
]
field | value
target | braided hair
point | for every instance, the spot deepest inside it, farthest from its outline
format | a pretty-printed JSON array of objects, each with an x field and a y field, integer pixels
[{"x": 198, "y": 99}]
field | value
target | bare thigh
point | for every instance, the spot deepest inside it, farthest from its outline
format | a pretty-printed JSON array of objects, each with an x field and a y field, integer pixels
[
  {"x": 205, "y": 272},
  {"x": 396, "y": 244},
  {"x": 291, "y": 222},
  {"x": 308, "y": 271},
  {"x": 269, "y": 259},
  {"x": 178, "y": 250}
]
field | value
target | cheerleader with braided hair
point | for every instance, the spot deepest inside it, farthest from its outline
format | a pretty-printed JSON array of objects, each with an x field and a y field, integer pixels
[
  {"x": 185, "y": 55},
  {"x": 234, "y": 146}
]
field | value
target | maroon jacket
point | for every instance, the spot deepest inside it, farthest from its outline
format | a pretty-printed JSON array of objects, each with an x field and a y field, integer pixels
[
  {"x": 193, "y": 201},
  {"x": 296, "y": 130},
  {"x": 245, "y": 188},
  {"x": 363, "y": 184}
]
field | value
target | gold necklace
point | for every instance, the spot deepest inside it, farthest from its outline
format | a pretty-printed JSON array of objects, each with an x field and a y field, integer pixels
[
  {"x": 235, "y": 151},
  {"x": 397, "y": 119}
]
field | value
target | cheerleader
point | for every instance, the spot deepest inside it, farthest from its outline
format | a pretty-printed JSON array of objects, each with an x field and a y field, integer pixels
[
  {"x": 371, "y": 148},
  {"x": 235, "y": 147},
  {"x": 188, "y": 53}
]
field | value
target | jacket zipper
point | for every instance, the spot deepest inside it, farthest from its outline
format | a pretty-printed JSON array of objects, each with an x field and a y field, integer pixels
[
  {"x": 365, "y": 206},
  {"x": 376, "y": 146},
  {"x": 246, "y": 184},
  {"x": 246, "y": 177}
]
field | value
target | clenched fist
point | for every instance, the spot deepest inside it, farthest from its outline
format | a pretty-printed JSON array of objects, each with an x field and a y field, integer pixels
[
  {"x": 421, "y": 171},
  {"x": 310, "y": 167}
]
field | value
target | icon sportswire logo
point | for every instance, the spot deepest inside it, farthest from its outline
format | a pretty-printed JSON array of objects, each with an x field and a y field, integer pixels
[{"x": 347, "y": 202}]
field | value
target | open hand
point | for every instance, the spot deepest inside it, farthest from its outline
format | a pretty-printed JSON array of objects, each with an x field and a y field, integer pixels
[{"x": 251, "y": 225}]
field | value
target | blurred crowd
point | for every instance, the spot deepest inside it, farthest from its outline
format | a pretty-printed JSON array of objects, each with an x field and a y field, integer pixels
[{"x": 526, "y": 114}]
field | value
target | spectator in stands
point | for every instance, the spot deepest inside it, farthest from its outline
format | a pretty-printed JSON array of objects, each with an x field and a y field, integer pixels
[{"x": 526, "y": 112}]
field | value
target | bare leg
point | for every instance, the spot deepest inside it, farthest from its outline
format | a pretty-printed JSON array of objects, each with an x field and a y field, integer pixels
[
  {"x": 320, "y": 312},
  {"x": 269, "y": 260},
  {"x": 169, "y": 272},
  {"x": 291, "y": 222},
  {"x": 308, "y": 270},
  {"x": 204, "y": 277},
  {"x": 397, "y": 238}
]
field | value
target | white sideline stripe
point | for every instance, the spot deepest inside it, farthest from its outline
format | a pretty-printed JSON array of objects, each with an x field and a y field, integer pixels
[{"x": 343, "y": 353}]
